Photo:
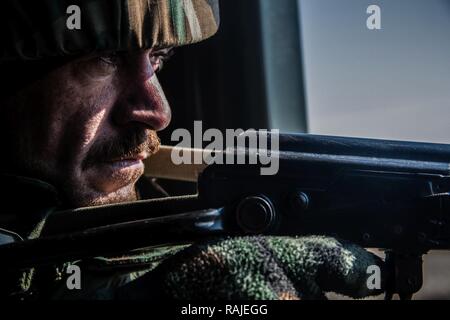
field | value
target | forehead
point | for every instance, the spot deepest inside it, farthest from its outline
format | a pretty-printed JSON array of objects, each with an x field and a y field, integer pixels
[{"x": 47, "y": 28}]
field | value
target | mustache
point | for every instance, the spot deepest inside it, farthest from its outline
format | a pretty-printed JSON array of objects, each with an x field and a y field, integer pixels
[{"x": 129, "y": 144}]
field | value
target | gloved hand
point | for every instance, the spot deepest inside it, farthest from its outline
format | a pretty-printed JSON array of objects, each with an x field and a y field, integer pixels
[{"x": 259, "y": 268}]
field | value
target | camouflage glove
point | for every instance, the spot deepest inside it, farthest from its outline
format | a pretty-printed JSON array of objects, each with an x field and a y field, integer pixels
[{"x": 259, "y": 268}]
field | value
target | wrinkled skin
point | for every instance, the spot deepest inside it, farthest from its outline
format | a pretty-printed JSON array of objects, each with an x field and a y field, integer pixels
[{"x": 86, "y": 126}]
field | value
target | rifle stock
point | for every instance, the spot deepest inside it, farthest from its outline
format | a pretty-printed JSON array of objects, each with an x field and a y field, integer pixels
[{"x": 160, "y": 165}]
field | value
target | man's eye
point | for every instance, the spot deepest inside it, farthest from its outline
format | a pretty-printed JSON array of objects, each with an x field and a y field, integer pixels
[
  {"x": 157, "y": 59},
  {"x": 98, "y": 66},
  {"x": 110, "y": 59},
  {"x": 156, "y": 62}
]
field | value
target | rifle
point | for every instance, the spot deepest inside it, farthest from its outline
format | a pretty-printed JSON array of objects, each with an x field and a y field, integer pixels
[{"x": 390, "y": 195}]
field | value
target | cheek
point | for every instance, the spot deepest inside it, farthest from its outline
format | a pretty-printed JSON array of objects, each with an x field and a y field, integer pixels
[
  {"x": 84, "y": 118},
  {"x": 93, "y": 127}
]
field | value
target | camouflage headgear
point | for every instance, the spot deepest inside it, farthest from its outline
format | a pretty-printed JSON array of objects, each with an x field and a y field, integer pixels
[{"x": 38, "y": 29}]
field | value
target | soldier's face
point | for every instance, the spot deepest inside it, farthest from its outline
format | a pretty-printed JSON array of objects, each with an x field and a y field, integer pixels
[{"x": 87, "y": 126}]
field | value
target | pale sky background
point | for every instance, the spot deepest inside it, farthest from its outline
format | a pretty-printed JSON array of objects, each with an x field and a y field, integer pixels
[{"x": 393, "y": 83}]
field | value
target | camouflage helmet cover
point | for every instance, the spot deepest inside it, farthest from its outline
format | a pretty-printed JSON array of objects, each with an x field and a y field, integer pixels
[{"x": 38, "y": 29}]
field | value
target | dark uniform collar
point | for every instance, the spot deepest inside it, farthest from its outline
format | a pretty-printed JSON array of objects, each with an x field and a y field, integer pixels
[{"x": 25, "y": 202}]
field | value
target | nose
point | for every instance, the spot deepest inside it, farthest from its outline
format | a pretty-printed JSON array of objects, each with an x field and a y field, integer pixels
[{"x": 143, "y": 100}]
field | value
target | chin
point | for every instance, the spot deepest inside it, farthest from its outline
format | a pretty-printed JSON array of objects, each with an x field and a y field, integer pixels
[
  {"x": 90, "y": 198},
  {"x": 121, "y": 196}
]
